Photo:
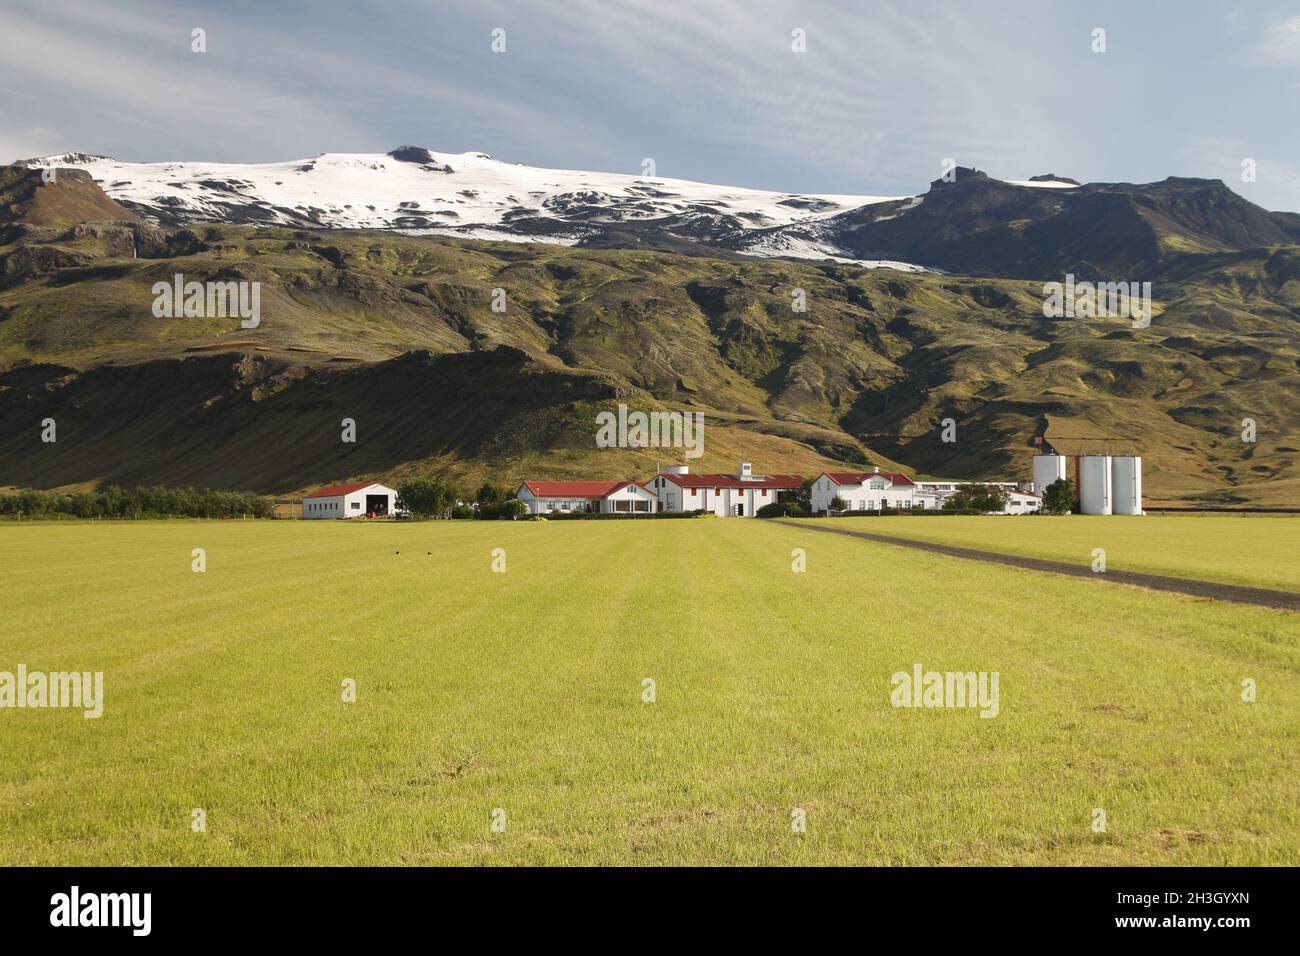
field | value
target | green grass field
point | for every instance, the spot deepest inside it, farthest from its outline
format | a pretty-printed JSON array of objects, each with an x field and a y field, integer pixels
[
  {"x": 523, "y": 691},
  {"x": 1256, "y": 551}
]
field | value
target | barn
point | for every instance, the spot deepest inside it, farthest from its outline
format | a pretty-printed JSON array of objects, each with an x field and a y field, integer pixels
[{"x": 361, "y": 500}]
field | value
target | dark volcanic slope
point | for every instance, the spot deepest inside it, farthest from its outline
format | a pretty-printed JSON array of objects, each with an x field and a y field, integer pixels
[
  {"x": 1117, "y": 231},
  {"x": 251, "y": 421}
]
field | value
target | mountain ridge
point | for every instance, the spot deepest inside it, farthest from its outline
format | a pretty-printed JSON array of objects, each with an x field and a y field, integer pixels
[
  {"x": 862, "y": 373},
  {"x": 967, "y": 222}
]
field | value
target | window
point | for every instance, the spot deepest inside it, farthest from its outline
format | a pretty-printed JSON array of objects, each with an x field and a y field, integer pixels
[
  {"x": 692, "y": 492},
  {"x": 356, "y": 506}
]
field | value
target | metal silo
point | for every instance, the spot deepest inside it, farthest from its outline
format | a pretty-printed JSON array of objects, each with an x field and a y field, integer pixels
[
  {"x": 1126, "y": 481},
  {"x": 1048, "y": 469},
  {"x": 1095, "y": 484}
]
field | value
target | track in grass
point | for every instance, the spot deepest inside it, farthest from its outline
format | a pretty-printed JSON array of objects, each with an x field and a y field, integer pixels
[{"x": 1261, "y": 597}]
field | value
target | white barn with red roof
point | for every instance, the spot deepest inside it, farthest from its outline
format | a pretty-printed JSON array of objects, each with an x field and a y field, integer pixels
[
  {"x": 739, "y": 495},
  {"x": 360, "y": 500},
  {"x": 605, "y": 497}
]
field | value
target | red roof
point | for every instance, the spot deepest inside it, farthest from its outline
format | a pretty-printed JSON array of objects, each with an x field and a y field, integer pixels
[
  {"x": 332, "y": 491},
  {"x": 858, "y": 477},
  {"x": 575, "y": 489},
  {"x": 731, "y": 481}
]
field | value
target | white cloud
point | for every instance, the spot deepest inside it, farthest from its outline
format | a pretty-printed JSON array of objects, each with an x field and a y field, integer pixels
[{"x": 1282, "y": 43}]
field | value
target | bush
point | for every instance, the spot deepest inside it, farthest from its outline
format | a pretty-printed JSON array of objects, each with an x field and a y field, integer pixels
[
  {"x": 427, "y": 498},
  {"x": 489, "y": 494},
  {"x": 1059, "y": 497},
  {"x": 510, "y": 508},
  {"x": 978, "y": 498},
  {"x": 782, "y": 509}
]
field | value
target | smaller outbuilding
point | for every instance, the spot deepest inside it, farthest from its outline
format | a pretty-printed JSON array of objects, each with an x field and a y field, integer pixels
[{"x": 366, "y": 499}]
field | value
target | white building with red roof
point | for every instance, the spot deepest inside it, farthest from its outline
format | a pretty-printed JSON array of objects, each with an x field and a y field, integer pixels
[
  {"x": 605, "y": 497},
  {"x": 878, "y": 490},
  {"x": 872, "y": 490},
  {"x": 739, "y": 495},
  {"x": 365, "y": 499}
]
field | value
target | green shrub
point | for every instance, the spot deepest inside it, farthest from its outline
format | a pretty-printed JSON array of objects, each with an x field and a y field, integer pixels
[{"x": 427, "y": 498}]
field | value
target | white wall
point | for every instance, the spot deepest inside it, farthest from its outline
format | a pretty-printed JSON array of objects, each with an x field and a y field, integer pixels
[
  {"x": 722, "y": 502},
  {"x": 331, "y": 507},
  {"x": 355, "y": 503},
  {"x": 872, "y": 495},
  {"x": 627, "y": 498},
  {"x": 1021, "y": 504},
  {"x": 563, "y": 505},
  {"x": 568, "y": 505},
  {"x": 347, "y": 506}
]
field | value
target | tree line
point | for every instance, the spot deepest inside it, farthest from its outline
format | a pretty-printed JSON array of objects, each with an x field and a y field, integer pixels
[
  {"x": 435, "y": 498},
  {"x": 139, "y": 502}
]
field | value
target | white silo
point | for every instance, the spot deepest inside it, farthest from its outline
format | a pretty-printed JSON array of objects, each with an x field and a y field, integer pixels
[
  {"x": 1126, "y": 481},
  {"x": 1095, "y": 484},
  {"x": 1048, "y": 469}
]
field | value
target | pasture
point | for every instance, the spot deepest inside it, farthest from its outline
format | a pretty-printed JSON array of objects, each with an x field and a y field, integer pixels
[{"x": 524, "y": 691}]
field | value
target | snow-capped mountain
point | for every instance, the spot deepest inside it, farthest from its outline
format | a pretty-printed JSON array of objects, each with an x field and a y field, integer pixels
[
  {"x": 471, "y": 195},
  {"x": 967, "y": 222}
]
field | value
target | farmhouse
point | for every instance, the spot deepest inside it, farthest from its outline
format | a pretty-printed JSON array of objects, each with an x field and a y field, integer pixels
[
  {"x": 876, "y": 490},
  {"x": 866, "y": 491},
  {"x": 674, "y": 489},
  {"x": 605, "y": 497},
  {"x": 361, "y": 500},
  {"x": 739, "y": 495}
]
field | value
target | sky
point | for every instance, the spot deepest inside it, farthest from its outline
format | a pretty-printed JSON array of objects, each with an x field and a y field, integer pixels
[{"x": 711, "y": 90}]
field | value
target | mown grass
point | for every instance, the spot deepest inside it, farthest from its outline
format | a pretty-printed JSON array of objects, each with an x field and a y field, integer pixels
[
  {"x": 1261, "y": 551},
  {"x": 523, "y": 691}
]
